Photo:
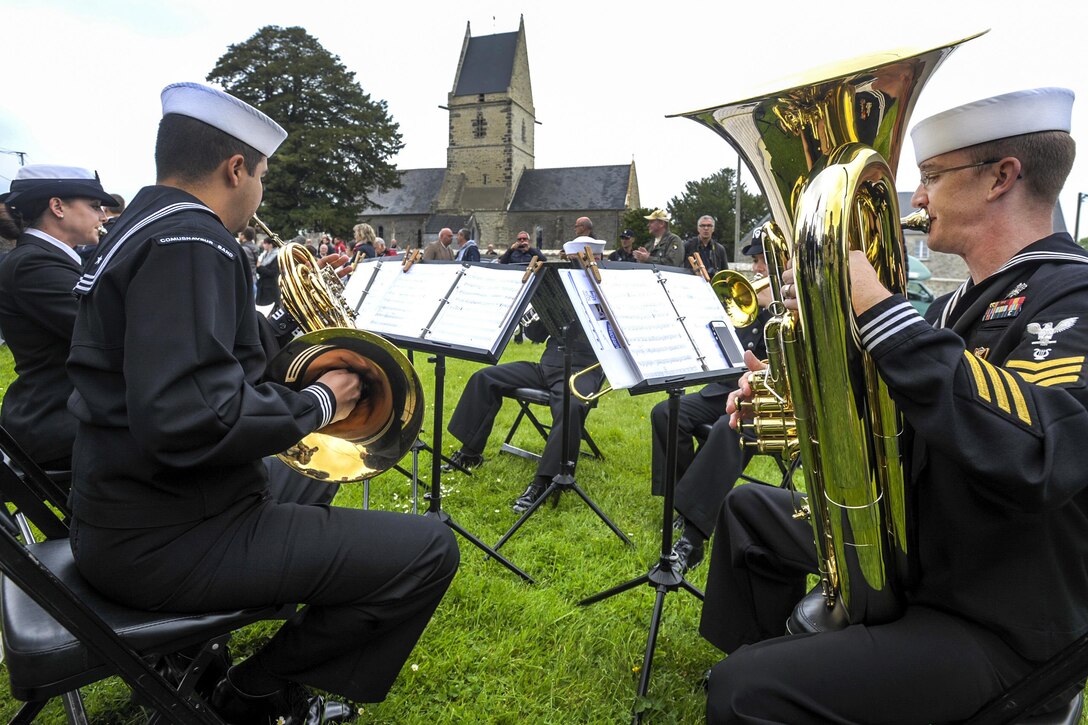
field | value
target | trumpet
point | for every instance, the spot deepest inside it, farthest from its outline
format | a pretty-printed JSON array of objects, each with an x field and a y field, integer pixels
[{"x": 528, "y": 317}]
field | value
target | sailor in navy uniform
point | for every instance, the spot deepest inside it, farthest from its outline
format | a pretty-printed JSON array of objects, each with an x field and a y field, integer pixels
[
  {"x": 992, "y": 387},
  {"x": 703, "y": 478},
  {"x": 169, "y": 488},
  {"x": 54, "y": 209}
]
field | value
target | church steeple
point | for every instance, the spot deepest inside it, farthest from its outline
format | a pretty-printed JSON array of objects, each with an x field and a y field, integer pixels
[{"x": 492, "y": 122}]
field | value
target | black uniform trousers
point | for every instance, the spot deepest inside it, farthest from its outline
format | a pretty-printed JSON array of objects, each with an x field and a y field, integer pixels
[
  {"x": 370, "y": 581},
  {"x": 287, "y": 485},
  {"x": 928, "y": 666},
  {"x": 703, "y": 478},
  {"x": 481, "y": 400}
]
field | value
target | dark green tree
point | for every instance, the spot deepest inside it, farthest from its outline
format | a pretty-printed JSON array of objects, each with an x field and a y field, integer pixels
[
  {"x": 635, "y": 220},
  {"x": 339, "y": 140},
  {"x": 715, "y": 195}
]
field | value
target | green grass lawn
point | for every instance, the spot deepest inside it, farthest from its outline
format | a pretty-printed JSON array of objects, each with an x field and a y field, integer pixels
[{"x": 500, "y": 650}]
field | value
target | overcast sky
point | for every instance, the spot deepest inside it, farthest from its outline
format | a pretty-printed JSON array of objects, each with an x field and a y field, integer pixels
[{"x": 83, "y": 78}]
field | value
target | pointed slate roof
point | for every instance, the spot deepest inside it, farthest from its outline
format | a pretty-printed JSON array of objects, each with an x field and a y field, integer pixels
[
  {"x": 418, "y": 191},
  {"x": 583, "y": 187},
  {"x": 489, "y": 63}
]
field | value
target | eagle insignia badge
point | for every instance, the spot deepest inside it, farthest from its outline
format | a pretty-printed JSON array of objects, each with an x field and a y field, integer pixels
[{"x": 1047, "y": 330}]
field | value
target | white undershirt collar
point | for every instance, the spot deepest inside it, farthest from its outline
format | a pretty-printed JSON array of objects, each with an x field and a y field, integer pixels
[{"x": 56, "y": 243}]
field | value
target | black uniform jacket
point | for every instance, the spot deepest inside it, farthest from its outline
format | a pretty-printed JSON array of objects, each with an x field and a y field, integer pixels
[
  {"x": 37, "y": 312},
  {"x": 167, "y": 362},
  {"x": 996, "y": 406}
]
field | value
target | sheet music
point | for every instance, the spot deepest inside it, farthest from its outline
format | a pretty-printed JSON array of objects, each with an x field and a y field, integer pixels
[
  {"x": 483, "y": 300},
  {"x": 644, "y": 305},
  {"x": 482, "y": 303},
  {"x": 402, "y": 303}
]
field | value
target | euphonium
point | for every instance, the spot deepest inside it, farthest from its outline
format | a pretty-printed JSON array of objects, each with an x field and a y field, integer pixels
[
  {"x": 386, "y": 421},
  {"x": 825, "y": 151}
]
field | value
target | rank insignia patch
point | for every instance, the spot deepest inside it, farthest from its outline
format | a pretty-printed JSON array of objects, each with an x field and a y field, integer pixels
[
  {"x": 1049, "y": 372},
  {"x": 1004, "y": 308}
]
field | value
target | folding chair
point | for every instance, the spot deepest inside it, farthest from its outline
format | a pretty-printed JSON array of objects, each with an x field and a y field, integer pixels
[
  {"x": 528, "y": 397},
  {"x": 59, "y": 634}
]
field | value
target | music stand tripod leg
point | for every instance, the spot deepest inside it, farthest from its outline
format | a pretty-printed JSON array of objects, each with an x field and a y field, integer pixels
[
  {"x": 435, "y": 500},
  {"x": 564, "y": 480},
  {"x": 662, "y": 575}
]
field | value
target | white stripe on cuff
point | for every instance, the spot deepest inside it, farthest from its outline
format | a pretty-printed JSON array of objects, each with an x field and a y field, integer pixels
[{"x": 324, "y": 401}]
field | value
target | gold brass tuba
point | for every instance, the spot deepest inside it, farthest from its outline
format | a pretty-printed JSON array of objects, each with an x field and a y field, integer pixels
[
  {"x": 825, "y": 151},
  {"x": 386, "y": 421}
]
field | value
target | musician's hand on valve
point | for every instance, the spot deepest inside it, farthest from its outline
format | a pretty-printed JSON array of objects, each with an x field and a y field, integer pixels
[
  {"x": 339, "y": 262},
  {"x": 789, "y": 289},
  {"x": 865, "y": 287},
  {"x": 744, "y": 389},
  {"x": 346, "y": 387}
]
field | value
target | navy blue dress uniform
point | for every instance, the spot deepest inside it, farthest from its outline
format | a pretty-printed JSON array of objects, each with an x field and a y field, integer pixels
[
  {"x": 37, "y": 312},
  {"x": 169, "y": 486},
  {"x": 997, "y": 406}
]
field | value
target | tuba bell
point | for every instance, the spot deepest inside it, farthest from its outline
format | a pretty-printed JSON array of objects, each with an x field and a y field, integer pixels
[
  {"x": 386, "y": 421},
  {"x": 824, "y": 151}
]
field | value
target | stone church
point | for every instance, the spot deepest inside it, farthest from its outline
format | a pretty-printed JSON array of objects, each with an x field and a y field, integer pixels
[{"x": 490, "y": 184}]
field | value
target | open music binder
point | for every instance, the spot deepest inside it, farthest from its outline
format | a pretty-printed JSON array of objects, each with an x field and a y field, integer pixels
[
  {"x": 653, "y": 328},
  {"x": 465, "y": 310}
]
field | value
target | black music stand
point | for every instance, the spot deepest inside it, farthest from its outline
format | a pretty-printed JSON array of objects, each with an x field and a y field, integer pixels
[
  {"x": 702, "y": 348},
  {"x": 434, "y": 508},
  {"x": 421, "y": 306},
  {"x": 564, "y": 480},
  {"x": 664, "y": 576}
]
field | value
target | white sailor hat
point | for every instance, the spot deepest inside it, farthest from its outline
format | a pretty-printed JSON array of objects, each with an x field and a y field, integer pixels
[
  {"x": 36, "y": 182},
  {"x": 1010, "y": 114},
  {"x": 224, "y": 112},
  {"x": 577, "y": 245}
]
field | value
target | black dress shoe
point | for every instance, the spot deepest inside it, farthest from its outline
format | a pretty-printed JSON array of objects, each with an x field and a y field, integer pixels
[
  {"x": 688, "y": 551},
  {"x": 464, "y": 460},
  {"x": 529, "y": 497},
  {"x": 293, "y": 705}
]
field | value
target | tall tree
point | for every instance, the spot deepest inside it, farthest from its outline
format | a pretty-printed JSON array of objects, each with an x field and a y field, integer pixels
[
  {"x": 716, "y": 195},
  {"x": 339, "y": 140}
]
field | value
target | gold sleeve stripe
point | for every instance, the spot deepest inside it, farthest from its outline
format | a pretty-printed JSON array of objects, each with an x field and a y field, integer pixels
[
  {"x": 999, "y": 387},
  {"x": 1017, "y": 397},
  {"x": 1058, "y": 381},
  {"x": 980, "y": 379},
  {"x": 1039, "y": 377},
  {"x": 1037, "y": 366}
]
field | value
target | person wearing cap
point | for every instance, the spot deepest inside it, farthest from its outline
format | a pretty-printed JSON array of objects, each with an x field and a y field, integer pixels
[
  {"x": 53, "y": 210},
  {"x": 521, "y": 251},
  {"x": 667, "y": 249},
  {"x": 710, "y": 250},
  {"x": 169, "y": 489},
  {"x": 703, "y": 477},
  {"x": 624, "y": 253},
  {"x": 482, "y": 397},
  {"x": 991, "y": 384}
]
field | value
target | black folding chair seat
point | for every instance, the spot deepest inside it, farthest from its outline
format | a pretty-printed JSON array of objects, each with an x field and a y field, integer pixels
[
  {"x": 45, "y": 660},
  {"x": 528, "y": 397}
]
